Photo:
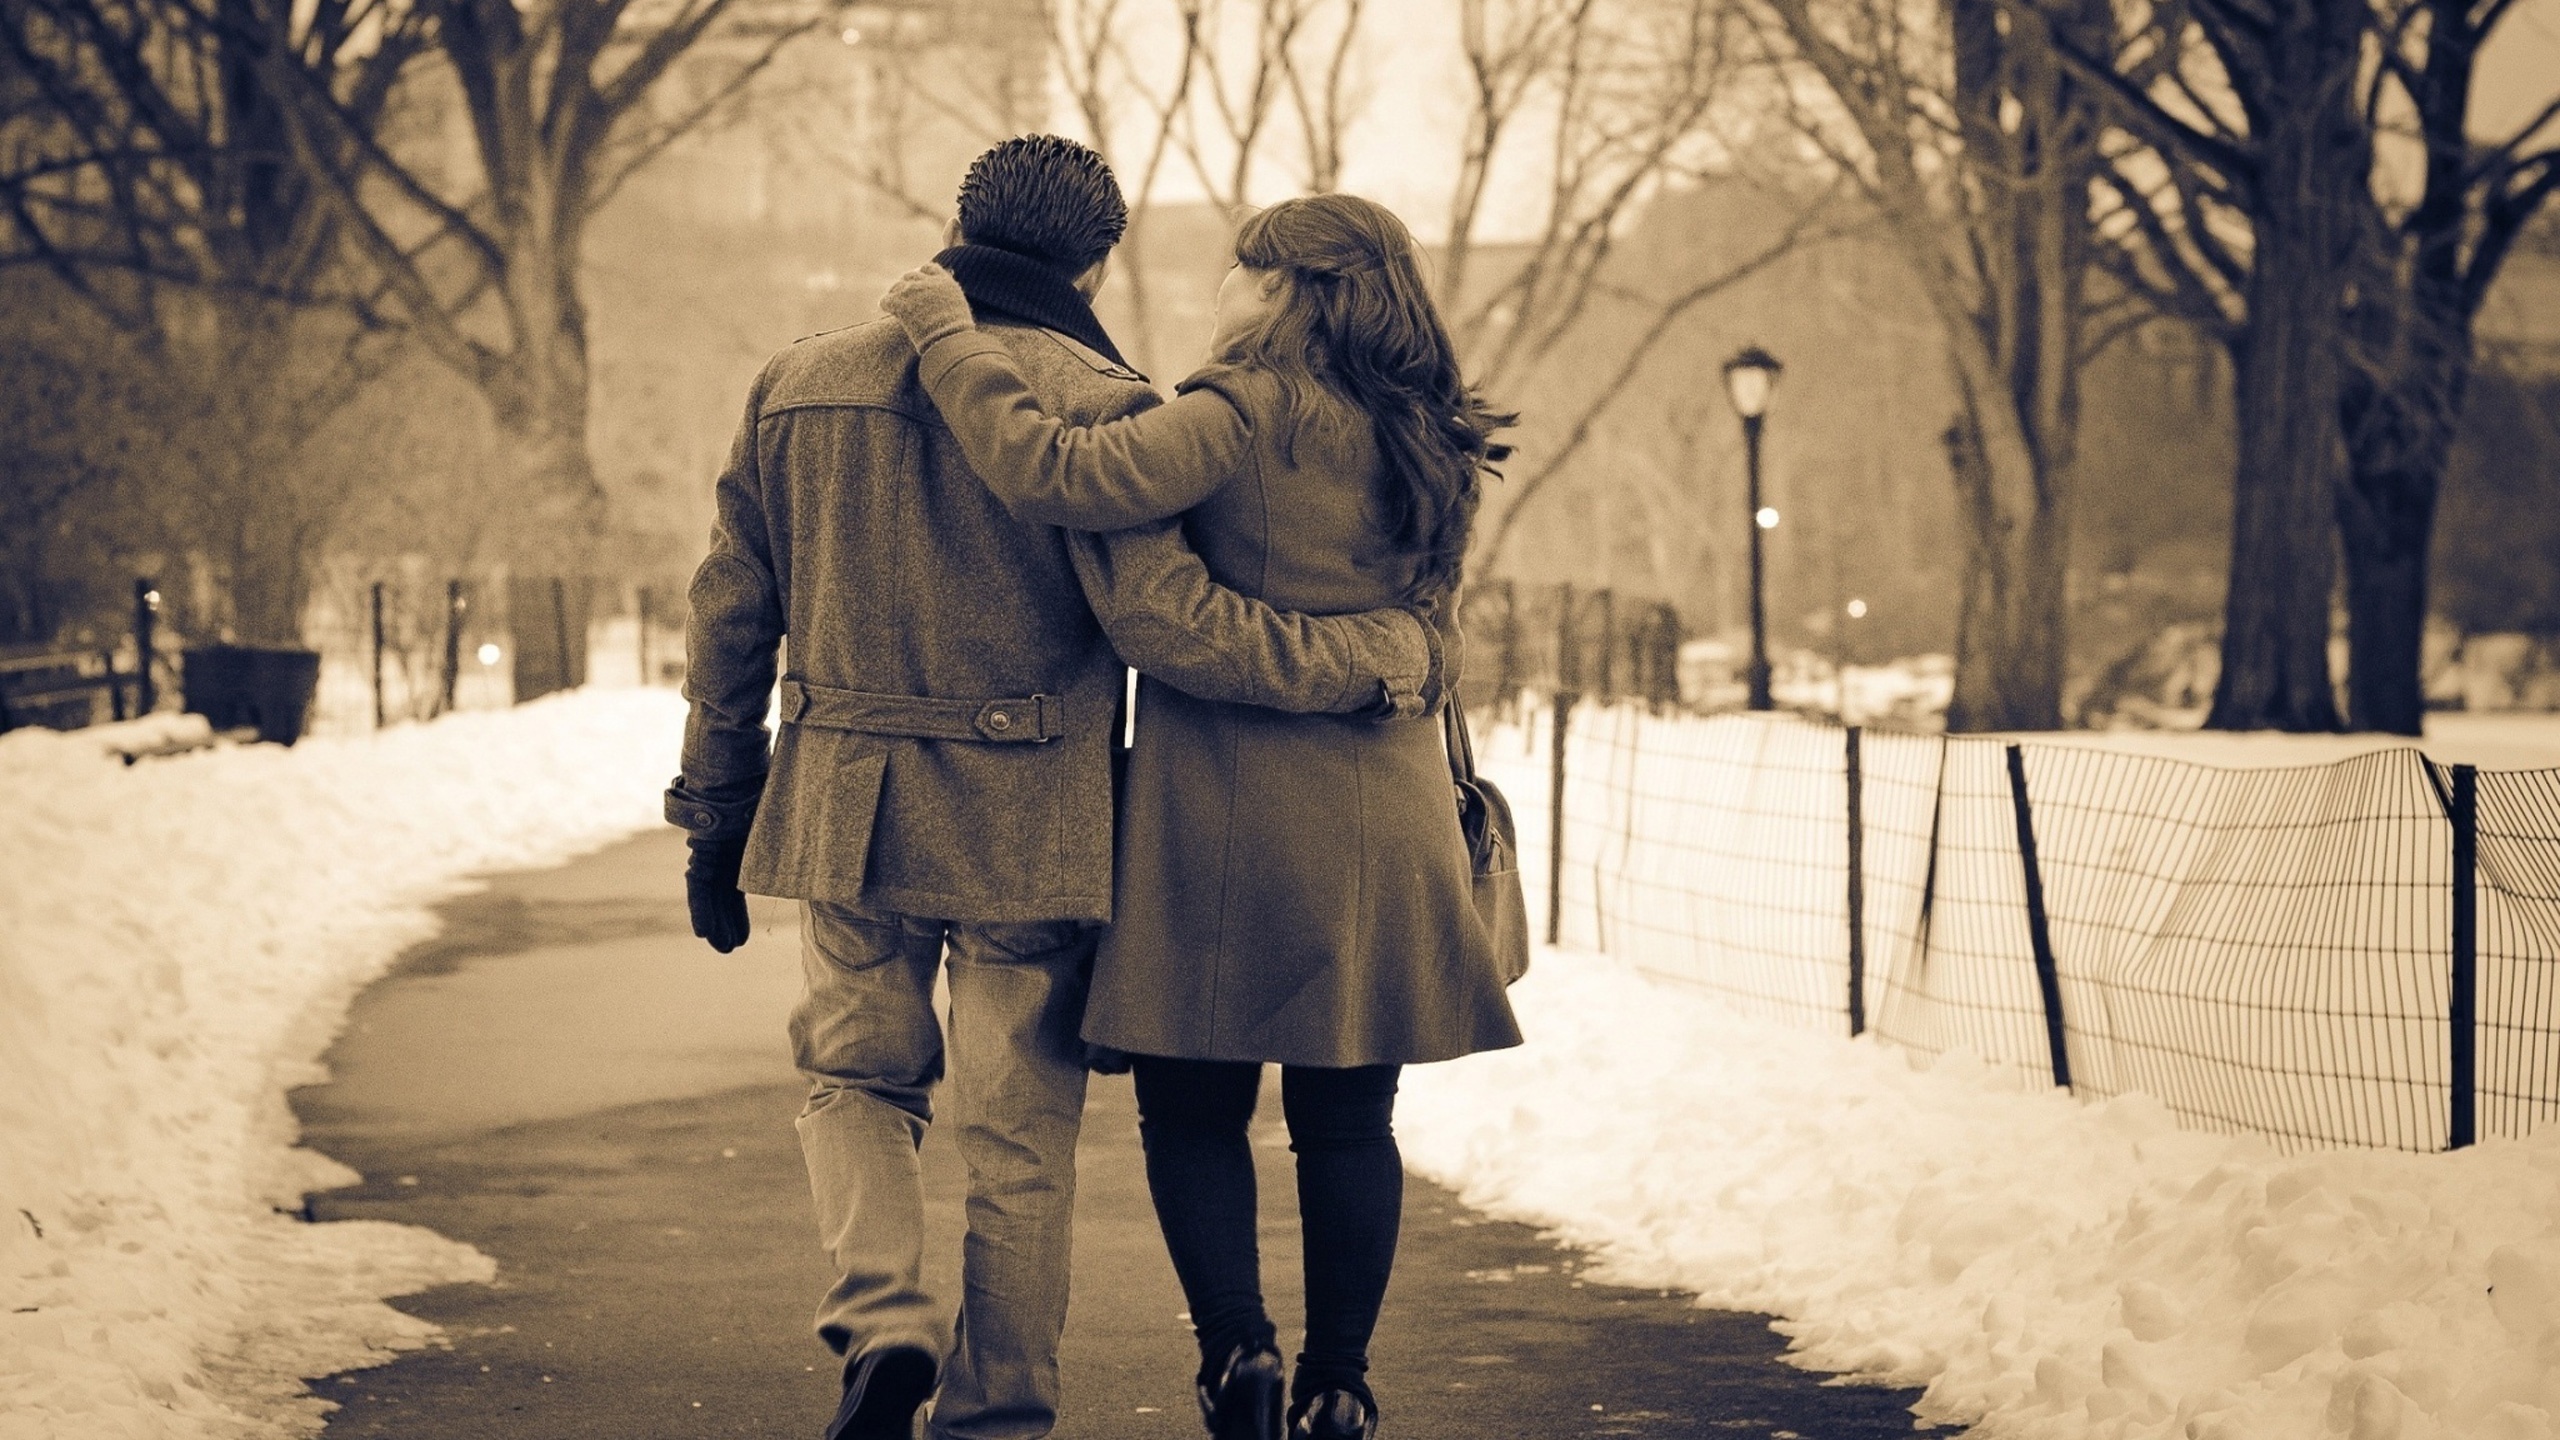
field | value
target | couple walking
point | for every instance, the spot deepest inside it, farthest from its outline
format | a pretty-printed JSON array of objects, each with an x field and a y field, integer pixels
[{"x": 948, "y": 530}]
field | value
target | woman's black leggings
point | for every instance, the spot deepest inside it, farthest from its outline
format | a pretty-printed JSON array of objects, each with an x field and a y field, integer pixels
[{"x": 1192, "y": 1115}]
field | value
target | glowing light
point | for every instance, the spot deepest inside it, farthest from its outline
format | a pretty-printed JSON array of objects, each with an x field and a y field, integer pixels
[
  {"x": 489, "y": 652},
  {"x": 852, "y": 35},
  {"x": 151, "y": 598},
  {"x": 1857, "y": 609},
  {"x": 1768, "y": 517},
  {"x": 1748, "y": 379}
]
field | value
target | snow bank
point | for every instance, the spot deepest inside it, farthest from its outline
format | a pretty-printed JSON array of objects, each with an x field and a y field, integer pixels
[
  {"x": 178, "y": 942},
  {"x": 2045, "y": 1268}
]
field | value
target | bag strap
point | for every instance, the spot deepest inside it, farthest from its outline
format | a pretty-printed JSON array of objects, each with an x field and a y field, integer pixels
[{"x": 1462, "y": 747}]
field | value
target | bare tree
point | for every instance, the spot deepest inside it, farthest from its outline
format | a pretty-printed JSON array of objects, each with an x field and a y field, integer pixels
[
  {"x": 1607, "y": 101},
  {"x": 143, "y": 169},
  {"x": 2427, "y": 264},
  {"x": 2240, "y": 190},
  {"x": 562, "y": 99},
  {"x": 1977, "y": 151},
  {"x": 257, "y": 183},
  {"x": 2260, "y": 202},
  {"x": 1242, "y": 77}
]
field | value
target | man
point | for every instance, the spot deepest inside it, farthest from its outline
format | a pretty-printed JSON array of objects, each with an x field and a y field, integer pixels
[{"x": 939, "y": 794}]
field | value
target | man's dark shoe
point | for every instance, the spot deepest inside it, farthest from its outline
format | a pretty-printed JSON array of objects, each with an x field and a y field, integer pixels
[
  {"x": 1242, "y": 1400},
  {"x": 1333, "y": 1415},
  {"x": 882, "y": 1391}
]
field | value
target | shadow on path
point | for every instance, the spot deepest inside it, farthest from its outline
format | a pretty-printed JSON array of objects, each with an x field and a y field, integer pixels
[{"x": 568, "y": 1080}]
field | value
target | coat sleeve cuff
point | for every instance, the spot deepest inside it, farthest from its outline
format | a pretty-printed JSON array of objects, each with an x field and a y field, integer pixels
[
  {"x": 1408, "y": 673},
  {"x": 713, "y": 812}
]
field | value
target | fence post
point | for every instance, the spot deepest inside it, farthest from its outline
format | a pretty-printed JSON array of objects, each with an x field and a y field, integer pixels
[
  {"x": 1506, "y": 683},
  {"x": 454, "y": 605},
  {"x": 378, "y": 715},
  {"x": 1857, "y": 890},
  {"x": 560, "y": 629},
  {"x": 2039, "y": 934},
  {"x": 1555, "y": 814},
  {"x": 2463, "y": 1011},
  {"x": 1607, "y": 600},
  {"x": 1568, "y": 654},
  {"x": 146, "y": 609},
  {"x": 644, "y": 634}
]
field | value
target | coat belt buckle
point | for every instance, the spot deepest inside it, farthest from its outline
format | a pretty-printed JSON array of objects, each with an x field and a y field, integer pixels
[{"x": 1026, "y": 719}]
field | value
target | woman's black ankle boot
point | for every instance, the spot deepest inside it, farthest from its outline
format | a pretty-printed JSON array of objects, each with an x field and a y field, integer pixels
[
  {"x": 1334, "y": 1415},
  {"x": 1240, "y": 1394}
]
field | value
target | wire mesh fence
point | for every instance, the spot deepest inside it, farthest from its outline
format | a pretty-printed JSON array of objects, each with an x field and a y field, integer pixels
[{"x": 2359, "y": 953}]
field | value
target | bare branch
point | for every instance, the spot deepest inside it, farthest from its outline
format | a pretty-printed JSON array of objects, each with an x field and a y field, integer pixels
[
  {"x": 647, "y": 148},
  {"x": 1802, "y": 231}
]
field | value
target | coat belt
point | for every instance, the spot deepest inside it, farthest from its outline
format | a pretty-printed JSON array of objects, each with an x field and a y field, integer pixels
[{"x": 1015, "y": 720}]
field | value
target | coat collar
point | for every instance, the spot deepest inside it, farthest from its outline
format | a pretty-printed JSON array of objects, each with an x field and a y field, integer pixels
[{"x": 1019, "y": 287}]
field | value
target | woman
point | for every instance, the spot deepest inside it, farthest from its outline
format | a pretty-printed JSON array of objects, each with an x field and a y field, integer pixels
[{"x": 1291, "y": 889}]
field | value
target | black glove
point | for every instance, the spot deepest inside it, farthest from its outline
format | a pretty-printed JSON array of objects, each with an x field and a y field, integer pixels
[{"x": 711, "y": 891}]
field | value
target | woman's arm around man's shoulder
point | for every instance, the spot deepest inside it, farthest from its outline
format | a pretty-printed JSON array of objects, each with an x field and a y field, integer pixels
[{"x": 1145, "y": 467}]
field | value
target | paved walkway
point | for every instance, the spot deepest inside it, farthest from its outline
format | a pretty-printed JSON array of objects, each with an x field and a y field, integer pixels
[{"x": 568, "y": 1080}]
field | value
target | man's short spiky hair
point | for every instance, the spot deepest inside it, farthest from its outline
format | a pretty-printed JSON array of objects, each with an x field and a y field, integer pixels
[{"x": 1044, "y": 196}]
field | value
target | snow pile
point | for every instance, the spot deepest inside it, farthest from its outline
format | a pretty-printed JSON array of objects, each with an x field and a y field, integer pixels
[
  {"x": 178, "y": 941},
  {"x": 2046, "y": 1268}
]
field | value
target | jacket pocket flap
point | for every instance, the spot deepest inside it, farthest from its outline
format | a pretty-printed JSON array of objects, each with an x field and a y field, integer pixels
[{"x": 812, "y": 836}]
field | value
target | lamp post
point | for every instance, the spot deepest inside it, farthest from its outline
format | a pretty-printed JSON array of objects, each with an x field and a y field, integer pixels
[{"x": 1748, "y": 378}]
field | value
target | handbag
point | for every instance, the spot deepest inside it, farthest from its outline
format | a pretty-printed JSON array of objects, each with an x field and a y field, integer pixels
[{"x": 1493, "y": 850}]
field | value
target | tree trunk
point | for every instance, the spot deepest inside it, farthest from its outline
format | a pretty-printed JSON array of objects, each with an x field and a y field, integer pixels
[
  {"x": 2386, "y": 618},
  {"x": 2275, "y": 629},
  {"x": 270, "y": 590},
  {"x": 2399, "y": 430},
  {"x": 2010, "y": 636},
  {"x": 541, "y": 404},
  {"x": 2313, "y": 163}
]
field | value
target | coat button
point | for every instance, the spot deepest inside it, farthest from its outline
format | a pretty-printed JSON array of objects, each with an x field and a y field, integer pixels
[{"x": 999, "y": 721}]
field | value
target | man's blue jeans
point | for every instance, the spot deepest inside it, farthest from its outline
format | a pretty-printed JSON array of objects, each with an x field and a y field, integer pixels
[{"x": 866, "y": 1035}]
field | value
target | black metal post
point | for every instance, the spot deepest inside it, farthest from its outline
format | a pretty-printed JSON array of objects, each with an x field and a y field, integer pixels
[
  {"x": 454, "y": 606},
  {"x": 1568, "y": 653},
  {"x": 146, "y": 611},
  {"x": 560, "y": 629},
  {"x": 644, "y": 634},
  {"x": 1759, "y": 672},
  {"x": 1607, "y": 600},
  {"x": 1857, "y": 889},
  {"x": 2463, "y": 1004},
  {"x": 1555, "y": 815},
  {"x": 2039, "y": 932},
  {"x": 379, "y": 717},
  {"x": 1506, "y": 685}
]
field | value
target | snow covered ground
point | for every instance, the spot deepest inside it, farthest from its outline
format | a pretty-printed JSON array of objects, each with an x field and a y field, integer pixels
[
  {"x": 178, "y": 943},
  {"x": 2045, "y": 1268}
]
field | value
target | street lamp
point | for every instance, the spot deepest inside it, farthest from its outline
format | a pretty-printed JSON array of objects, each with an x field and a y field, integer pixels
[{"x": 1748, "y": 379}]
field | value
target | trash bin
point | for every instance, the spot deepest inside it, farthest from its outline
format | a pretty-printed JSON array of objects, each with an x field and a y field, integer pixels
[{"x": 247, "y": 685}]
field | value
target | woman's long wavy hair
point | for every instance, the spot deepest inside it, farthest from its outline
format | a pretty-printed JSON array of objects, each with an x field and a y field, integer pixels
[{"x": 1355, "y": 317}]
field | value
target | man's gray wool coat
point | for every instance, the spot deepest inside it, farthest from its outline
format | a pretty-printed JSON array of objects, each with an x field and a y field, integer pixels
[{"x": 950, "y": 687}]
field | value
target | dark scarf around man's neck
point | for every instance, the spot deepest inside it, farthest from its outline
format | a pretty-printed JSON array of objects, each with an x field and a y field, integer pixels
[{"x": 1017, "y": 287}]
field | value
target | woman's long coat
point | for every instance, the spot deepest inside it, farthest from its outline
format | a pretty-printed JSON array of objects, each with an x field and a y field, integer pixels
[{"x": 1289, "y": 888}]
